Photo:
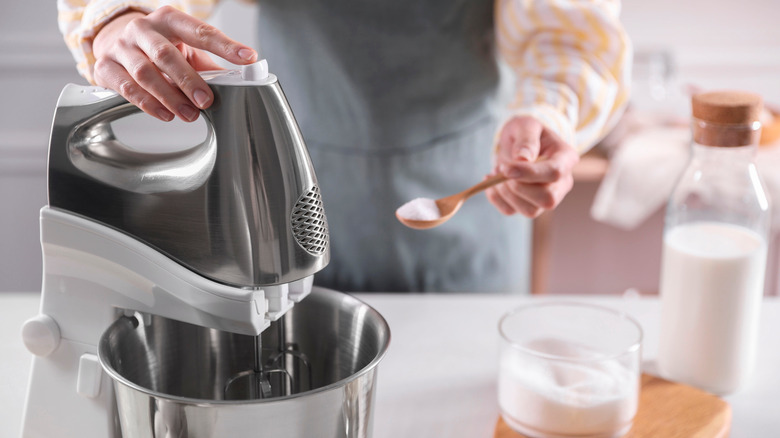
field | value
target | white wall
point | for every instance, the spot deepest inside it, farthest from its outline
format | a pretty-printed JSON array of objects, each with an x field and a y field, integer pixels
[
  {"x": 34, "y": 65},
  {"x": 717, "y": 43}
]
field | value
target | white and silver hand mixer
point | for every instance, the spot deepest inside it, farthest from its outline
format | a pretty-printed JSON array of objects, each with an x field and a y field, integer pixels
[{"x": 225, "y": 235}]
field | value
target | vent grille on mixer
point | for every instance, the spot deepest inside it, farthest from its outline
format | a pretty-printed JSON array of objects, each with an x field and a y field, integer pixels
[{"x": 309, "y": 225}]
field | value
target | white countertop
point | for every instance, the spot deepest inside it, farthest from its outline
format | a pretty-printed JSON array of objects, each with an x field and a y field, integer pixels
[{"x": 438, "y": 378}]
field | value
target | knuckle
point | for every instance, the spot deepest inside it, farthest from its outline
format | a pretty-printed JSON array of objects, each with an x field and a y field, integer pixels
[
  {"x": 143, "y": 72},
  {"x": 529, "y": 210},
  {"x": 228, "y": 48},
  {"x": 548, "y": 200},
  {"x": 124, "y": 45},
  {"x": 507, "y": 193},
  {"x": 515, "y": 186},
  {"x": 569, "y": 184},
  {"x": 101, "y": 66},
  {"x": 144, "y": 103},
  {"x": 535, "y": 213},
  {"x": 134, "y": 27},
  {"x": 508, "y": 210},
  {"x": 164, "y": 11},
  {"x": 101, "y": 81},
  {"x": 129, "y": 90},
  {"x": 205, "y": 32},
  {"x": 186, "y": 82},
  {"x": 163, "y": 53},
  {"x": 149, "y": 104},
  {"x": 556, "y": 172}
]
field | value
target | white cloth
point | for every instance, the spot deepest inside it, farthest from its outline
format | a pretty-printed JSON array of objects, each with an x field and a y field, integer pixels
[
  {"x": 644, "y": 169},
  {"x": 641, "y": 175}
]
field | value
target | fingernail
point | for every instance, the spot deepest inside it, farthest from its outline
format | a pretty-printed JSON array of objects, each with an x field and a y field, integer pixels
[
  {"x": 524, "y": 154},
  {"x": 189, "y": 112},
  {"x": 201, "y": 98},
  {"x": 246, "y": 54},
  {"x": 165, "y": 114}
]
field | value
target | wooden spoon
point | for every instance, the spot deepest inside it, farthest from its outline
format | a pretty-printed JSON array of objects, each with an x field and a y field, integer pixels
[{"x": 450, "y": 205}]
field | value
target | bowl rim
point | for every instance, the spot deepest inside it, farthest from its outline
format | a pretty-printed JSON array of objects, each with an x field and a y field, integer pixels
[
  {"x": 118, "y": 378},
  {"x": 635, "y": 346}
]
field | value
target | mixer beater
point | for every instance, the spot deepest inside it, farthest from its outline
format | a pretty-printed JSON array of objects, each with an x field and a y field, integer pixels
[{"x": 277, "y": 371}]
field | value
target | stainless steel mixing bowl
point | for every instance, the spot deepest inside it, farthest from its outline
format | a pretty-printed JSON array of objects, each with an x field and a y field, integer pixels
[{"x": 170, "y": 377}]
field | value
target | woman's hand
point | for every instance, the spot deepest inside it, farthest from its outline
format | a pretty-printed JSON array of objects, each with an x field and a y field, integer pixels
[
  {"x": 540, "y": 165},
  {"x": 153, "y": 61}
]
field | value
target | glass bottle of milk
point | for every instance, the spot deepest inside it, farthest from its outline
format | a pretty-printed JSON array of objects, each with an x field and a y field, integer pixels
[{"x": 714, "y": 250}]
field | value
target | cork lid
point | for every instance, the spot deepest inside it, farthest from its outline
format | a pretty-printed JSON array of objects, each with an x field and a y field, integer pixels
[
  {"x": 727, "y": 107},
  {"x": 726, "y": 118}
]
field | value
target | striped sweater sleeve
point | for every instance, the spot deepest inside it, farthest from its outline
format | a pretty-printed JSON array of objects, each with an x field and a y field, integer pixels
[
  {"x": 80, "y": 20},
  {"x": 571, "y": 60}
]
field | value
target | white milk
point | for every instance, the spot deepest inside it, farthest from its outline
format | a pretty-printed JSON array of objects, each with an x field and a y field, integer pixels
[
  {"x": 554, "y": 398},
  {"x": 712, "y": 280}
]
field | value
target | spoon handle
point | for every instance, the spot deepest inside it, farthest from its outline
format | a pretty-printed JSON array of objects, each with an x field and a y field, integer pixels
[{"x": 486, "y": 184}]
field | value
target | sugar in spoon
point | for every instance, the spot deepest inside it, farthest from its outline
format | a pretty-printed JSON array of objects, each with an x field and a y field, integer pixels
[{"x": 423, "y": 213}]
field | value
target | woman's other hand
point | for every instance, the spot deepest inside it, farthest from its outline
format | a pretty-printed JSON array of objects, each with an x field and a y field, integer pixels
[{"x": 539, "y": 164}]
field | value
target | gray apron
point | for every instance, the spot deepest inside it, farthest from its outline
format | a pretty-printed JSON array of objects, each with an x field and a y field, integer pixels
[{"x": 395, "y": 99}]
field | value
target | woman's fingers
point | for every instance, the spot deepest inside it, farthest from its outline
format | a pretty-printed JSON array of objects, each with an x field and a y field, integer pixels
[
  {"x": 539, "y": 165},
  {"x": 509, "y": 203},
  {"x": 498, "y": 201},
  {"x": 180, "y": 27},
  {"x": 519, "y": 140},
  {"x": 198, "y": 59},
  {"x": 544, "y": 171},
  {"x": 537, "y": 191},
  {"x": 545, "y": 196},
  {"x": 167, "y": 59},
  {"x": 112, "y": 75},
  {"x": 154, "y": 60}
]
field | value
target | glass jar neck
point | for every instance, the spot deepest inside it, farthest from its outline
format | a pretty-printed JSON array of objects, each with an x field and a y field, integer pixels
[
  {"x": 725, "y": 136},
  {"x": 734, "y": 154}
]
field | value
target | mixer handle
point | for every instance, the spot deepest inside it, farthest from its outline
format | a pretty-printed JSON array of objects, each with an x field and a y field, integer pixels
[{"x": 93, "y": 148}]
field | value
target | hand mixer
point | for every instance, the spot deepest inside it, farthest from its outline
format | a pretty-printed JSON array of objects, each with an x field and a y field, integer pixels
[{"x": 226, "y": 235}]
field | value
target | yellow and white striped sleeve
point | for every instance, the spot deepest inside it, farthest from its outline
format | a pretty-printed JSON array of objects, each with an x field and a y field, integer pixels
[
  {"x": 572, "y": 63},
  {"x": 80, "y": 21}
]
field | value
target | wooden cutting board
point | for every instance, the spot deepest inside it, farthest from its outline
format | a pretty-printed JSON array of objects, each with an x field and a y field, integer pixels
[{"x": 668, "y": 410}]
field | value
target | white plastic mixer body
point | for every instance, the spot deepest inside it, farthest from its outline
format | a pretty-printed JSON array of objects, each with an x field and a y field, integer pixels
[
  {"x": 226, "y": 235},
  {"x": 93, "y": 274}
]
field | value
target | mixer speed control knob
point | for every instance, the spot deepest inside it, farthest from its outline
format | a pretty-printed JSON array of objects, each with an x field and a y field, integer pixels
[{"x": 41, "y": 335}]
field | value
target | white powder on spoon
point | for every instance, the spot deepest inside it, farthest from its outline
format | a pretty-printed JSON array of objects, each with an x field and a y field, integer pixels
[{"x": 419, "y": 209}]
